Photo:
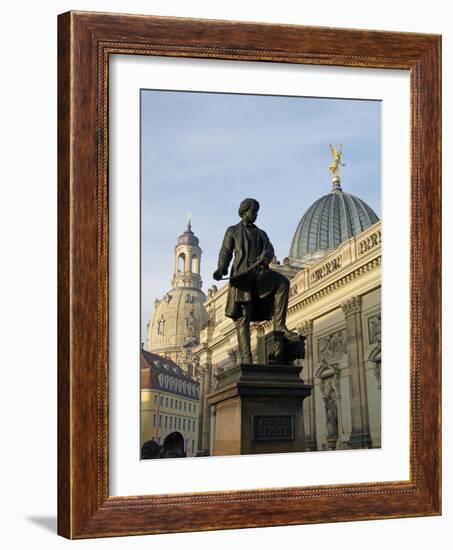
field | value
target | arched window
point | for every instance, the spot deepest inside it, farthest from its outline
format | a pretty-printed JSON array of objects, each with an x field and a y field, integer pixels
[
  {"x": 195, "y": 265},
  {"x": 181, "y": 262}
]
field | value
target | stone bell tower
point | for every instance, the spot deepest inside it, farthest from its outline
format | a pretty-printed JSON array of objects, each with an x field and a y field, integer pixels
[
  {"x": 179, "y": 314},
  {"x": 187, "y": 261}
]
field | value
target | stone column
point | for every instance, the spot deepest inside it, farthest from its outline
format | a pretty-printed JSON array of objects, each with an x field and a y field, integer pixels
[
  {"x": 206, "y": 419},
  {"x": 188, "y": 260},
  {"x": 306, "y": 329},
  {"x": 360, "y": 434},
  {"x": 202, "y": 380}
]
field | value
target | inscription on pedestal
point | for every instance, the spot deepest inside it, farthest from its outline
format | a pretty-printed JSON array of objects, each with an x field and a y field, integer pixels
[{"x": 273, "y": 428}]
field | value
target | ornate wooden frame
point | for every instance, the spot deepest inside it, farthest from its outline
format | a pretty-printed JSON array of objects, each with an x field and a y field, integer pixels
[{"x": 85, "y": 41}]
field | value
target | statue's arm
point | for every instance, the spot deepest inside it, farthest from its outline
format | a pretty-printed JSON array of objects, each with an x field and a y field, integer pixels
[
  {"x": 226, "y": 252},
  {"x": 269, "y": 252}
]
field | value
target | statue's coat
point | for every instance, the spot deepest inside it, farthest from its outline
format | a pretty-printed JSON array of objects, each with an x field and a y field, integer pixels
[{"x": 246, "y": 286}]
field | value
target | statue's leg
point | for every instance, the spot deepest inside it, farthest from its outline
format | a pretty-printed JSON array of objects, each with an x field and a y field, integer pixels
[
  {"x": 243, "y": 332},
  {"x": 280, "y": 301}
]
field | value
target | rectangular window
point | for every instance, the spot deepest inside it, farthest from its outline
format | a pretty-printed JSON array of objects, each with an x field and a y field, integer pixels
[
  {"x": 161, "y": 399},
  {"x": 166, "y": 401},
  {"x": 171, "y": 403},
  {"x": 190, "y": 407},
  {"x": 166, "y": 420},
  {"x": 171, "y": 422},
  {"x": 160, "y": 420},
  {"x": 184, "y": 424},
  {"x": 185, "y": 406},
  {"x": 156, "y": 397},
  {"x": 154, "y": 420}
]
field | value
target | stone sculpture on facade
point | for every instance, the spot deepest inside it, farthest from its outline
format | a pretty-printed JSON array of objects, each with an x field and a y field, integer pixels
[{"x": 330, "y": 404}]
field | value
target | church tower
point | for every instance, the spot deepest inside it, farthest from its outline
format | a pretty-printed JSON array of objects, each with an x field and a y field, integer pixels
[
  {"x": 187, "y": 261},
  {"x": 179, "y": 315}
]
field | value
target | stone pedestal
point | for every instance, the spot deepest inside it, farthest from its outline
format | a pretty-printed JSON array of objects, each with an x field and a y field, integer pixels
[{"x": 258, "y": 409}]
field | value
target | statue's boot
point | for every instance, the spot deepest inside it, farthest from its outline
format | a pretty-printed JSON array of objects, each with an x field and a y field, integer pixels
[{"x": 285, "y": 330}]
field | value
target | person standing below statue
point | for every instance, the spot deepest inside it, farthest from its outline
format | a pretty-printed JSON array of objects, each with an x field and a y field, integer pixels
[{"x": 256, "y": 292}]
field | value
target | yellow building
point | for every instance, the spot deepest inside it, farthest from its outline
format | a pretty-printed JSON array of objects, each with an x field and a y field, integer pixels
[
  {"x": 169, "y": 402},
  {"x": 334, "y": 267}
]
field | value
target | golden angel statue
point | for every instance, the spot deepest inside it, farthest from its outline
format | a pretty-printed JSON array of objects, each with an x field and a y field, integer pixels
[{"x": 336, "y": 159}]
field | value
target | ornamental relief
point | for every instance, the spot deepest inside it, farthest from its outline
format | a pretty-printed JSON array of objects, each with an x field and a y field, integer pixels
[
  {"x": 369, "y": 243},
  {"x": 329, "y": 267},
  {"x": 332, "y": 345},
  {"x": 233, "y": 354}
]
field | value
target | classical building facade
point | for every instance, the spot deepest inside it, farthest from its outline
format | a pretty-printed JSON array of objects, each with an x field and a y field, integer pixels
[
  {"x": 178, "y": 316},
  {"x": 334, "y": 267},
  {"x": 169, "y": 402}
]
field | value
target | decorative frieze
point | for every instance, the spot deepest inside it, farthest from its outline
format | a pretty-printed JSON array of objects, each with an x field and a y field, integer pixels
[
  {"x": 326, "y": 269},
  {"x": 369, "y": 243},
  {"x": 331, "y": 287}
]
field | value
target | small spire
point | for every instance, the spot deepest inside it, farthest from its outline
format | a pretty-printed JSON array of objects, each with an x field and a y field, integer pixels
[{"x": 189, "y": 222}]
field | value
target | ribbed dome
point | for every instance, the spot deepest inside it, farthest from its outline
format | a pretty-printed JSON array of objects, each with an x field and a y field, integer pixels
[{"x": 330, "y": 220}]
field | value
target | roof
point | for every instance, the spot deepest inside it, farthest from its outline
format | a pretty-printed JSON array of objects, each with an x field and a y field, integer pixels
[
  {"x": 163, "y": 374},
  {"x": 331, "y": 220},
  {"x": 188, "y": 237}
]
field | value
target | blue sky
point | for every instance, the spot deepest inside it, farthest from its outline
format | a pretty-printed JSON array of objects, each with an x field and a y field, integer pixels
[{"x": 205, "y": 152}]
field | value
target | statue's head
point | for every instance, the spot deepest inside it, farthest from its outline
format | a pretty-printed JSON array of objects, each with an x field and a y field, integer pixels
[{"x": 248, "y": 210}]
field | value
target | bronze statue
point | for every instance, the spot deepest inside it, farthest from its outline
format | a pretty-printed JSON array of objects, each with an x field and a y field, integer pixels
[{"x": 256, "y": 292}]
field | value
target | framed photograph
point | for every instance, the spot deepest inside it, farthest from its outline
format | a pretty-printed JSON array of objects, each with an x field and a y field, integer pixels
[{"x": 249, "y": 275}]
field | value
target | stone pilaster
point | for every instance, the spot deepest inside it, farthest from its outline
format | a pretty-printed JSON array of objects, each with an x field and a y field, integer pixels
[
  {"x": 360, "y": 433},
  {"x": 306, "y": 329},
  {"x": 206, "y": 419},
  {"x": 202, "y": 380}
]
